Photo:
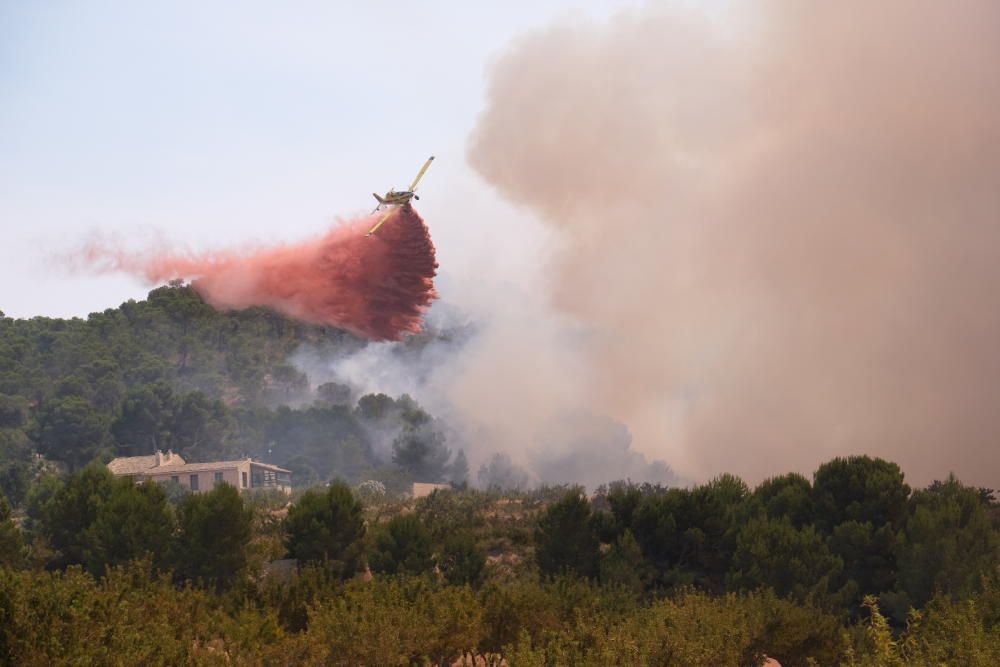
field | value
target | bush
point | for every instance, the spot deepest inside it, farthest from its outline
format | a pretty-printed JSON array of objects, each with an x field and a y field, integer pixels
[
  {"x": 397, "y": 621},
  {"x": 461, "y": 561}
]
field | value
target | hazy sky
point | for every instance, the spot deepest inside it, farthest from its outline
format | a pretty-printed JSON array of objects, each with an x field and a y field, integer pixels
[{"x": 219, "y": 123}]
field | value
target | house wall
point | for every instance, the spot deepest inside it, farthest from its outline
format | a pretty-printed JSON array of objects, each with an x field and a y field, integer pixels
[
  {"x": 206, "y": 478},
  {"x": 231, "y": 474},
  {"x": 422, "y": 489}
]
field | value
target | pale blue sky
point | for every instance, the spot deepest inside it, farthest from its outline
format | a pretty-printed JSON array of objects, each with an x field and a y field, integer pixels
[{"x": 220, "y": 123}]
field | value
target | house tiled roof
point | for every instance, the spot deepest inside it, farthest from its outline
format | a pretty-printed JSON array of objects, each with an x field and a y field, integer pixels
[
  {"x": 147, "y": 465},
  {"x": 132, "y": 465},
  {"x": 271, "y": 466},
  {"x": 209, "y": 466}
]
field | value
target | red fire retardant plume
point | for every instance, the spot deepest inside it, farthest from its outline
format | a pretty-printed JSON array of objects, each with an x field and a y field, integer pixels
[{"x": 377, "y": 287}]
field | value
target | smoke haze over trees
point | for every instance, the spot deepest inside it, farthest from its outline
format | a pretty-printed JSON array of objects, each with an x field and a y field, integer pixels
[{"x": 171, "y": 372}]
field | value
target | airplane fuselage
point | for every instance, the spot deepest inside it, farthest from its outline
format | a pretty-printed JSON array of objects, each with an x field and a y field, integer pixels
[{"x": 395, "y": 198}]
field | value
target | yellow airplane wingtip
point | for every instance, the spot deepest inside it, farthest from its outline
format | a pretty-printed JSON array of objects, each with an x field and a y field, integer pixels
[
  {"x": 413, "y": 186},
  {"x": 380, "y": 222}
]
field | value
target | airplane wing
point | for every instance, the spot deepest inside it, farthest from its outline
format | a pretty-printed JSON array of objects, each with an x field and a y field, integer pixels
[
  {"x": 381, "y": 221},
  {"x": 420, "y": 174}
]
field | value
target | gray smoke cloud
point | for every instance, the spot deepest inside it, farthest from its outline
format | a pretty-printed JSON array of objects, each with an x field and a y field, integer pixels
[
  {"x": 502, "y": 387},
  {"x": 778, "y": 233}
]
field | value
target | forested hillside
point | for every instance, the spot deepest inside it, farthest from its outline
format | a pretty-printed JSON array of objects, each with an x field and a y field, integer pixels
[{"x": 171, "y": 372}]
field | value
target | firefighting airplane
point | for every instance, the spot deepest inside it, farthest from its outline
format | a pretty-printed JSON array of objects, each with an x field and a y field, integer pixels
[{"x": 394, "y": 198}]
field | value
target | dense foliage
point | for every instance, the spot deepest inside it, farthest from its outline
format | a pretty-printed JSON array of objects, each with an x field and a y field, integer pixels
[
  {"x": 327, "y": 527},
  {"x": 849, "y": 567},
  {"x": 170, "y": 372},
  {"x": 632, "y": 575}
]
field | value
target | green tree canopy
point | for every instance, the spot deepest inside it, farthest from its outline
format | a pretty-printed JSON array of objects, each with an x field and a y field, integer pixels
[
  {"x": 12, "y": 552},
  {"x": 133, "y": 521},
  {"x": 67, "y": 509},
  {"x": 71, "y": 429},
  {"x": 788, "y": 496},
  {"x": 623, "y": 499},
  {"x": 688, "y": 535},
  {"x": 792, "y": 561},
  {"x": 327, "y": 526},
  {"x": 461, "y": 561},
  {"x": 13, "y": 411},
  {"x": 623, "y": 565},
  {"x": 565, "y": 537},
  {"x": 403, "y": 546},
  {"x": 421, "y": 452},
  {"x": 869, "y": 559},
  {"x": 859, "y": 488},
  {"x": 947, "y": 544},
  {"x": 15, "y": 479},
  {"x": 96, "y": 520},
  {"x": 143, "y": 426},
  {"x": 214, "y": 531},
  {"x": 199, "y": 426}
]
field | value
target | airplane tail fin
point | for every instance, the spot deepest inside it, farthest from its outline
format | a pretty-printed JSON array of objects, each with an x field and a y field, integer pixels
[{"x": 380, "y": 200}]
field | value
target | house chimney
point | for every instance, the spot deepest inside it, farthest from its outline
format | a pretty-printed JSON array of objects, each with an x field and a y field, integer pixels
[{"x": 159, "y": 457}]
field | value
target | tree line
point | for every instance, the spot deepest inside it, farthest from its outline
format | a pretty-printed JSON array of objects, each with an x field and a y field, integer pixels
[{"x": 849, "y": 567}]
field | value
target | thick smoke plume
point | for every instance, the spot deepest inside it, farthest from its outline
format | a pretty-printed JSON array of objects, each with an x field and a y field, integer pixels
[
  {"x": 781, "y": 226},
  {"x": 377, "y": 287}
]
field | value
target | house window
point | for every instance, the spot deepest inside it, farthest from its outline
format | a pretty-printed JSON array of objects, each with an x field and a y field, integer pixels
[
  {"x": 194, "y": 482},
  {"x": 244, "y": 480},
  {"x": 218, "y": 477},
  {"x": 175, "y": 479}
]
